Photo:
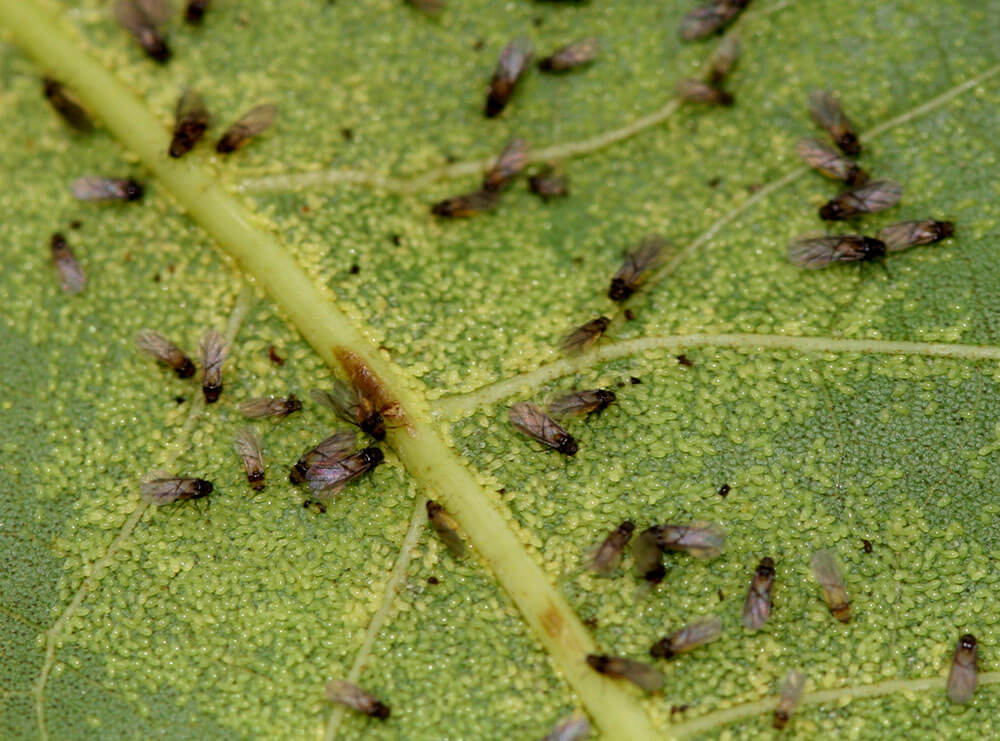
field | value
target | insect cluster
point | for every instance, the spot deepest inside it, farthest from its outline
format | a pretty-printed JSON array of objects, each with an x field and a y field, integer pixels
[
  {"x": 863, "y": 196},
  {"x": 331, "y": 464}
]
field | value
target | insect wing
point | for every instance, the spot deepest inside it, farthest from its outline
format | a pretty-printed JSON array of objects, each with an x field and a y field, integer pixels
[
  {"x": 699, "y": 539},
  {"x": 514, "y": 59},
  {"x": 724, "y": 58},
  {"x": 913, "y": 233},
  {"x": 466, "y": 205},
  {"x": 97, "y": 188},
  {"x": 640, "y": 674},
  {"x": 548, "y": 184},
  {"x": 347, "y": 693},
  {"x": 585, "y": 335},
  {"x": 635, "y": 266},
  {"x": 688, "y": 638},
  {"x": 214, "y": 351},
  {"x": 572, "y": 55},
  {"x": 446, "y": 528},
  {"x": 194, "y": 13},
  {"x": 164, "y": 489},
  {"x": 648, "y": 556},
  {"x": 757, "y": 606},
  {"x": 574, "y": 728},
  {"x": 606, "y": 556},
  {"x": 511, "y": 161},
  {"x": 253, "y": 122},
  {"x": 791, "y": 693},
  {"x": 345, "y": 401},
  {"x": 157, "y": 12},
  {"x": 878, "y": 195},
  {"x": 141, "y": 18},
  {"x": 190, "y": 124},
  {"x": 71, "y": 276},
  {"x": 829, "y": 162},
  {"x": 248, "y": 449},
  {"x": 67, "y": 105},
  {"x": 696, "y": 91},
  {"x": 707, "y": 19},
  {"x": 329, "y": 476},
  {"x": 818, "y": 252},
  {"x": 534, "y": 423},
  {"x": 831, "y": 580},
  {"x": 165, "y": 351},
  {"x": 264, "y": 406},
  {"x": 579, "y": 403},
  {"x": 827, "y": 113},
  {"x": 962, "y": 677}
]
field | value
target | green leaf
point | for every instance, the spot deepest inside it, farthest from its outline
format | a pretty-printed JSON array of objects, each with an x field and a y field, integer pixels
[{"x": 841, "y": 405}]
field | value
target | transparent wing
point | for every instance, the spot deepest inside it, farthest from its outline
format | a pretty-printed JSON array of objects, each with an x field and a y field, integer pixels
[
  {"x": 878, "y": 195},
  {"x": 344, "y": 400},
  {"x": 247, "y": 445},
  {"x": 191, "y": 107},
  {"x": 253, "y": 122},
  {"x": 826, "y": 111},
  {"x": 214, "y": 351},
  {"x": 514, "y": 58}
]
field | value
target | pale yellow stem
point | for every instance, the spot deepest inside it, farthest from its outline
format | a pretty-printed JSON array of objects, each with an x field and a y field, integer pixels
[{"x": 419, "y": 444}]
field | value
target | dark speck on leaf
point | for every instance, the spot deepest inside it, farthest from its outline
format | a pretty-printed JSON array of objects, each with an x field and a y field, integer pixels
[
  {"x": 347, "y": 133},
  {"x": 538, "y": 21},
  {"x": 355, "y": 269},
  {"x": 722, "y": 596},
  {"x": 674, "y": 709},
  {"x": 156, "y": 278},
  {"x": 75, "y": 224},
  {"x": 433, "y": 580},
  {"x": 685, "y": 361},
  {"x": 502, "y": 491},
  {"x": 868, "y": 546},
  {"x": 591, "y": 623},
  {"x": 724, "y": 490},
  {"x": 179, "y": 399},
  {"x": 635, "y": 381},
  {"x": 478, "y": 46},
  {"x": 395, "y": 239},
  {"x": 714, "y": 182},
  {"x": 629, "y": 314},
  {"x": 272, "y": 353}
]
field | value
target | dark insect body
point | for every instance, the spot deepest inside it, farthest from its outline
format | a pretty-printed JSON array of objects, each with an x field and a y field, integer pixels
[
  {"x": 571, "y": 56},
  {"x": 264, "y": 406},
  {"x": 640, "y": 674},
  {"x": 827, "y": 113},
  {"x": 66, "y": 105},
  {"x": 347, "y": 693},
  {"x": 333, "y": 448},
  {"x": 548, "y": 185},
  {"x": 963, "y": 676},
  {"x": 328, "y": 477},
  {"x": 635, "y": 268},
  {"x": 710, "y": 18},
  {"x": 511, "y": 161},
  {"x": 97, "y": 188},
  {"x": 251, "y": 123},
  {"x": 584, "y": 336},
  {"x": 353, "y": 407},
  {"x": 906, "y": 234},
  {"x": 142, "y": 19},
  {"x": 688, "y": 638},
  {"x": 648, "y": 556},
  {"x": 533, "y": 422},
  {"x": 166, "y": 352},
  {"x": 71, "y": 276},
  {"x": 830, "y": 163},
  {"x": 757, "y": 606},
  {"x": 248, "y": 448},
  {"x": 194, "y": 13},
  {"x": 818, "y": 252},
  {"x": 605, "y": 557},
  {"x": 791, "y": 692},
  {"x": 190, "y": 124},
  {"x": 214, "y": 351},
  {"x": 446, "y": 528},
  {"x": 513, "y": 63},
  {"x": 578, "y": 403},
  {"x": 696, "y": 91},
  {"x": 165, "y": 489},
  {"x": 877, "y": 195},
  {"x": 466, "y": 205}
]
